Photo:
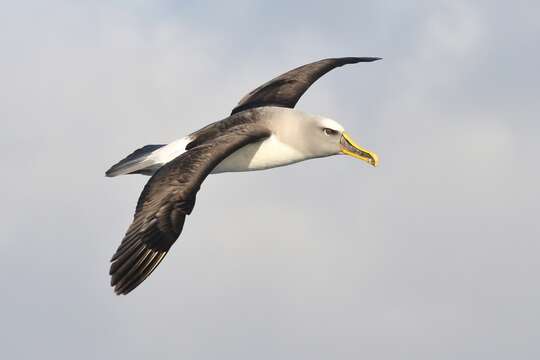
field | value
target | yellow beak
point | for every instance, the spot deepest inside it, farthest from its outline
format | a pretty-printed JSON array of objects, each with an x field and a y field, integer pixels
[{"x": 349, "y": 147}]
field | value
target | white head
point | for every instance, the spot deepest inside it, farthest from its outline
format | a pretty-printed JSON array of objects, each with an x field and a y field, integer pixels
[{"x": 319, "y": 136}]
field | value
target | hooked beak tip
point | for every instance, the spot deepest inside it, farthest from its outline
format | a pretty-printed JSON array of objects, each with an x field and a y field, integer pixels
[{"x": 349, "y": 147}]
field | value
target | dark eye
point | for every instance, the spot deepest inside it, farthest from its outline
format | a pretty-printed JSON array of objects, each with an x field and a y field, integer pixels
[{"x": 329, "y": 132}]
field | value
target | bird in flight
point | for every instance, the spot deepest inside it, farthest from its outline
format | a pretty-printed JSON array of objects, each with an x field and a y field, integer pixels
[{"x": 263, "y": 131}]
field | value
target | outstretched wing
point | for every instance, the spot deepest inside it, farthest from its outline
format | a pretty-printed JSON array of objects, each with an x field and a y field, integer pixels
[
  {"x": 286, "y": 89},
  {"x": 167, "y": 198}
]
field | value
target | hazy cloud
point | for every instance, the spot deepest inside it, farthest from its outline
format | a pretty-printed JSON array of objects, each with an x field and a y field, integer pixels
[{"x": 432, "y": 255}]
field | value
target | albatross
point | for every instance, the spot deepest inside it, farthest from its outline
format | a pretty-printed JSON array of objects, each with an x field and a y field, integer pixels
[{"x": 263, "y": 131}]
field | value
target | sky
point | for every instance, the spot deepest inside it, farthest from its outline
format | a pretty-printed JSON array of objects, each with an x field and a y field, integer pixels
[{"x": 432, "y": 255}]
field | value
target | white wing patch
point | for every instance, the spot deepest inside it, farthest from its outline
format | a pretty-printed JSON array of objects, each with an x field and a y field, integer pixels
[{"x": 170, "y": 151}]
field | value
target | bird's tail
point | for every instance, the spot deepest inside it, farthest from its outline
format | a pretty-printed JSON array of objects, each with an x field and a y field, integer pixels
[{"x": 138, "y": 162}]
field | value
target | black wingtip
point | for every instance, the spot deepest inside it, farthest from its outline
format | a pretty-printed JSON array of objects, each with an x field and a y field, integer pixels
[
  {"x": 132, "y": 263},
  {"x": 352, "y": 60}
]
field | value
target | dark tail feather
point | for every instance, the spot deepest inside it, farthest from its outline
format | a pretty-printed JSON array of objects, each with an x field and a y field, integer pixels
[{"x": 137, "y": 162}]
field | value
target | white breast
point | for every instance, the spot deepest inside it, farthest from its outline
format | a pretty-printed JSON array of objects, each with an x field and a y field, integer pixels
[{"x": 259, "y": 156}]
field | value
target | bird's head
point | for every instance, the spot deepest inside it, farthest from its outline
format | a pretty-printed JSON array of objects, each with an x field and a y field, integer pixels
[{"x": 329, "y": 138}]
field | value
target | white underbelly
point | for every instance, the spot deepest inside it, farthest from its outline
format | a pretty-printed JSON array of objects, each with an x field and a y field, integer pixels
[{"x": 259, "y": 156}]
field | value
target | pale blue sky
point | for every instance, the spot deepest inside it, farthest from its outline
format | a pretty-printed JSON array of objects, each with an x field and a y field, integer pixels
[{"x": 433, "y": 255}]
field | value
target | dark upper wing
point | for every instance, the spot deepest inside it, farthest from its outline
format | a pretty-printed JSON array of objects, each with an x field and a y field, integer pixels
[
  {"x": 164, "y": 203},
  {"x": 286, "y": 89}
]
